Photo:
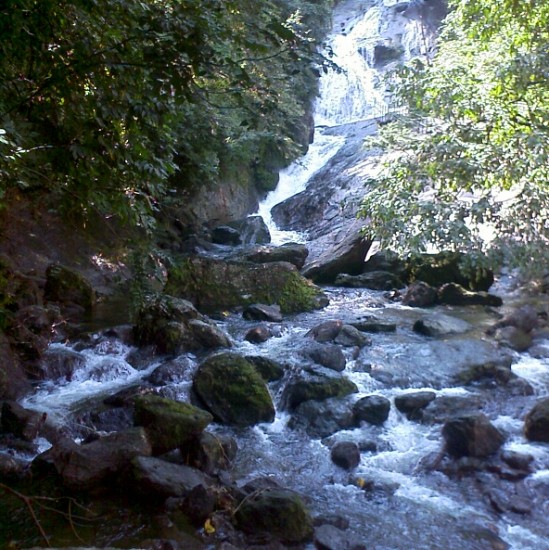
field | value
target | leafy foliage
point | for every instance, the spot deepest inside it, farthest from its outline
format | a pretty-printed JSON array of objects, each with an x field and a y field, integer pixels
[
  {"x": 468, "y": 167},
  {"x": 112, "y": 106}
]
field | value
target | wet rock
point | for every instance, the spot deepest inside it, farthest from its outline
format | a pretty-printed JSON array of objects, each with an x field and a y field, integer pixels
[
  {"x": 174, "y": 326},
  {"x": 87, "y": 466},
  {"x": 524, "y": 318},
  {"x": 536, "y": 423},
  {"x": 375, "y": 280},
  {"x": 518, "y": 461},
  {"x": 453, "y": 294},
  {"x": 329, "y": 537},
  {"x": 498, "y": 369},
  {"x": 327, "y": 355},
  {"x": 419, "y": 294},
  {"x": 385, "y": 53},
  {"x": 373, "y": 409},
  {"x": 317, "y": 388},
  {"x": 210, "y": 453},
  {"x": 473, "y": 436},
  {"x": 279, "y": 513},
  {"x": 199, "y": 504},
  {"x": 413, "y": 403},
  {"x": 514, "y": 338},
  {"x": 346, "y": 256},
  {"x": 268, "y": 369},
  {"x": 262, "y": 312},
  {"x": 11, "y": 468},
  {"x": 252, "y": 230},
  {"x": 503, "y": 502},
  {"x": 258, "y": 335},
  {"x": 441, "y": 325},
  {"x": 323, "y": 418},
  {"x": 445, "y": 407},
  {"x": 345, "y": 454},
  {"x": 214, "y": 284},
  {"x": 233, "y": 391},
  {"x": 13, "y": 378},
  {"x": 326, "y": 331},
  {"x": 293, "y": 253},
  {"x": 127, "y": 396},
  {"x": 153, "y": 477},
  {"x": 372, "y": 324},
  {"x": 169, "y": 424},
  {"x": 170, "y": 372},
  {"x": 64, "y": 285},
  {"x": 350, "y": 336},
  {"x": 223, "y": 234},
  {"x": 20, "y": 422}
]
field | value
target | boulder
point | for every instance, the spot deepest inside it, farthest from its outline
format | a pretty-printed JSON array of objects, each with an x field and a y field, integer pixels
[
  {"x": 153, "y": 477},
  {"x": 86, "y": 466},
  {"x": 262, "y": 312},
  {"x": 326, "y": 331},
  {"x": 268, "y": 369},
  {"x": 345, "y": 454},
  {"x": 252, "y": 230},
  {"x": 20, "y": 422},
  {"x": 327, "y": 355},
  {"x": 350, "y": 336},
  {"x": 223, "y": 234},
  {"x": 441, "y": 325},
  {"x": 412, "y": 403},
  {"x": 169, "y": 424},
  {"x": 233, "y": 391},
  {"x": 453, "y": 294},
  {"x": 386, "y": 261},
  {"x": 64, "y": 285},
  {"x": 536, "y": 423},
  {"x": 170, "y": 372},
  {"x": 58, "y": 363},
  {"x": 277, "y": 513},
  {"x": 373, "y": 409},
  {"x": 375, "y": 280},
  {"x": 258, "y": 335},
  {"x": 420, "y": 294},
  {"x": 317, "y": 388},
  {"x": 214, "y": 284},
  {"x": 210, "y": 453},
  {"x": 292, "y": 253},
  {"x": 524, "y": 318},
  {"x": 323, "y": 418},
  {"x": 372, "y": 324},
  {"x": 346, "y": 256},
  {"x": 174, "y": 326},
  {"x": 513, "y": 338},
  {"x": 472, "y": 435}
]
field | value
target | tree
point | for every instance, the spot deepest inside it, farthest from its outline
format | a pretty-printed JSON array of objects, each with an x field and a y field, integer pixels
[
  {"x": 469, "y": 166},
  {"x": 103, "y": 101}
]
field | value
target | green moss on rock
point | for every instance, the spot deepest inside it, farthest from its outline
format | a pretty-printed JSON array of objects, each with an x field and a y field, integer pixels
[
  {"x": 233, "y": 391},
  {"x": 169, "y": 424}
]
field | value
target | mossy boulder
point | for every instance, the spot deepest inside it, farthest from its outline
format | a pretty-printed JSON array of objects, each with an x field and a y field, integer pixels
[
  {"x": 169, "y": 424},
  {"x": 213, "y": 284},
  {"x": 175, "y": 326},
  {"x": 279, "y": 513},
  {"x": 65, "y": 285},
  {"x": 233, "y": 391},
  {"x": 317, "y": 388}
]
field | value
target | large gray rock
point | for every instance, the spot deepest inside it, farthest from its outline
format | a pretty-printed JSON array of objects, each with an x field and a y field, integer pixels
[
  {"x": 233, "y": 391},
  {"x": 327, "y": 355},
  {"x": 252, "y": 230},
  {"x": 441, "y": 325}
]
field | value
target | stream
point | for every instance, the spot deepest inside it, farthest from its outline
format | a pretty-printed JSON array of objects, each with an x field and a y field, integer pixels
[{"x": 397, "y": 498}]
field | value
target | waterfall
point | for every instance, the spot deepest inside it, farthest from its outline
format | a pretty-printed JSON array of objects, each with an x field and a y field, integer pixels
[{"x": 368, "y": 39}]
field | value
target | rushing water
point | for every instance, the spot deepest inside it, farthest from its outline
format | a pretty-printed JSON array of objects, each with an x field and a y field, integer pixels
[{"x": 393, "y": 500}]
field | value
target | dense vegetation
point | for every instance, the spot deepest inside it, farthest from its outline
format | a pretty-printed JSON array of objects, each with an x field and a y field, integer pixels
[
  {"x": 469, "y": 161},
  {"x": 117, "y": 106}
]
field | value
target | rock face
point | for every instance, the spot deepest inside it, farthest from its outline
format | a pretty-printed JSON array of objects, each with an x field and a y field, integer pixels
[
  {"x": 536, "y": 424},
  {"x": 472, "y": 435},
  {"x": 233, "y": 391},
  {"x": 169, "y": 424},
  {"x": 217, "y": 284},
  {"x": 175, "y": 326},
  {"x": 278, "y": 513},
  {"x": 66, "y": 286}
]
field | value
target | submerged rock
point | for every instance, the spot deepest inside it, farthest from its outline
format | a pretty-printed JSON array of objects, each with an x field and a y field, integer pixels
[{"x": 233, "y": 391}]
